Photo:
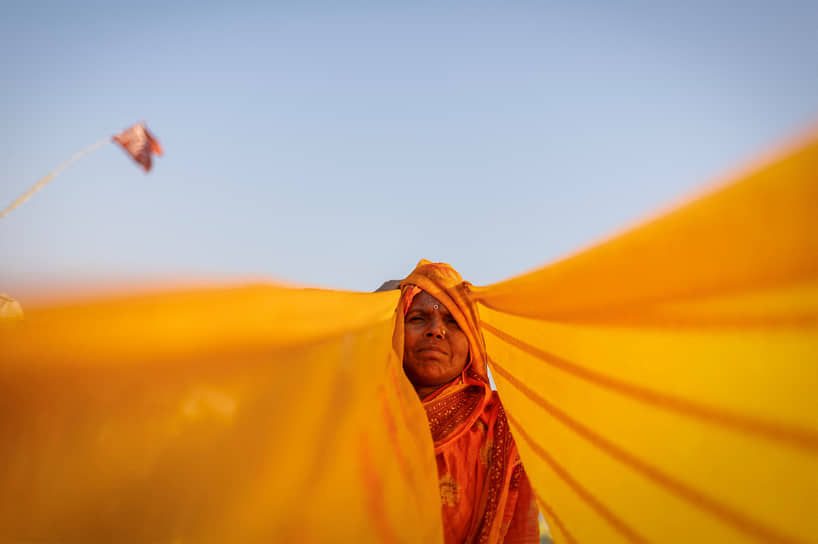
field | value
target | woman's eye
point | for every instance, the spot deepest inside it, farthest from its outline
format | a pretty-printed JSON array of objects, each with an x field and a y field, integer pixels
[{"x": 415, "y": 318}]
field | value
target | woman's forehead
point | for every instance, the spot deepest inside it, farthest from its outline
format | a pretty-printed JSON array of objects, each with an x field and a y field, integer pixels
[{"x": 425, "y": 301}]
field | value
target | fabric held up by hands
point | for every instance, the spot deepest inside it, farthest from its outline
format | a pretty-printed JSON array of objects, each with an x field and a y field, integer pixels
[{"x": 660, "y": 387}]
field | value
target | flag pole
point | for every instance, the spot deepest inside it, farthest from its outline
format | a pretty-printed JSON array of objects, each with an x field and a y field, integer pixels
[{"x": 40, "y": 184}]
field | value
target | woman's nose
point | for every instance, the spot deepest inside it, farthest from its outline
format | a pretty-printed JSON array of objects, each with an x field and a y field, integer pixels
[{"x": 436, "y": 329}]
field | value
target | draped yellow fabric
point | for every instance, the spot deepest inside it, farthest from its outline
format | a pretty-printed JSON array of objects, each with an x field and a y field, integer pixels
[
  {"x": 232, "y": 415},
  {"x": 662, "y": 386}
]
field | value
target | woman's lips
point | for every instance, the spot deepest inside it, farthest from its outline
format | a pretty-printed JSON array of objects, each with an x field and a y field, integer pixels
[{"x": 432, "y": 349}]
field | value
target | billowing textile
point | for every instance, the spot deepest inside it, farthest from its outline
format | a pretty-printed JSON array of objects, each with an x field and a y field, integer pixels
[
  {"x": 254, "y": 414},
  {"x": 479, "y": 468},
  {"x": 661, "y": 386}
]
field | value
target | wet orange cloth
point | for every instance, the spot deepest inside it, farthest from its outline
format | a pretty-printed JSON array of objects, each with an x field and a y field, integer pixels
[{"x": 484, "y": 491}]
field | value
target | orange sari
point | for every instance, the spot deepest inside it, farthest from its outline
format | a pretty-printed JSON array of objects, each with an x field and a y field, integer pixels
[{"x": 484, "y": 491}]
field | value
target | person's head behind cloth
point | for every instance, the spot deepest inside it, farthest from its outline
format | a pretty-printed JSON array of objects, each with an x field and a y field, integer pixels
[{"x": 446, "y": 286}]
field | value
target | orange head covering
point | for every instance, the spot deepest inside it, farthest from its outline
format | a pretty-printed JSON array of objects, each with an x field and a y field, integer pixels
[{"x": 444, "y": 283}]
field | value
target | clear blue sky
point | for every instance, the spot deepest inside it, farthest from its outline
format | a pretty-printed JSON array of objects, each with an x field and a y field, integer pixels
[{"x": 338, "y": 143}]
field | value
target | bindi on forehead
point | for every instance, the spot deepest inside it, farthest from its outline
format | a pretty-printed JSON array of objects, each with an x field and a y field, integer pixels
[{"x": 426, "y": 302}]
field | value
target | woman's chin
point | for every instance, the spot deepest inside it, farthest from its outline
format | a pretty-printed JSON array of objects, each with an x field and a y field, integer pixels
[{"x": 439, "y": 380}]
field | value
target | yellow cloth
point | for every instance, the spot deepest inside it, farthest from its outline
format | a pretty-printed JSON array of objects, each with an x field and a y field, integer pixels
[
  {"x": 661, "y": 386},
  {"x": 232, "y": 415}
]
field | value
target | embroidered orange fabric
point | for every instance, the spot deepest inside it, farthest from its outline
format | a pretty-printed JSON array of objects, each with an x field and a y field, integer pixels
[{"x": 485, "y": 495}]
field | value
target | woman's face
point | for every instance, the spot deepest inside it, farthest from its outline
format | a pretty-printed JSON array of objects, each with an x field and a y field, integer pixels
[{"x": 435, "y": 349}]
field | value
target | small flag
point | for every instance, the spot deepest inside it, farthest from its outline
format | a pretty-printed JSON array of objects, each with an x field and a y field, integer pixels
[{"x": 139, "y": 143}]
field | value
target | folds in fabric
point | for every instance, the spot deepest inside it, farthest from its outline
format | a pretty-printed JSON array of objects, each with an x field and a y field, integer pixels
[
  {"x": 663, "y": 385},
  {"x": 227, "y": 415}
]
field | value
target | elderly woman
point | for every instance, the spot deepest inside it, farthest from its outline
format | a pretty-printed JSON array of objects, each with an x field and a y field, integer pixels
[{"x": 485, "y": 494}]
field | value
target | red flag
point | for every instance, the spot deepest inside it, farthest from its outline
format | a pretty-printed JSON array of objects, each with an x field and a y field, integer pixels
[{"x": 139, "y": 143}]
